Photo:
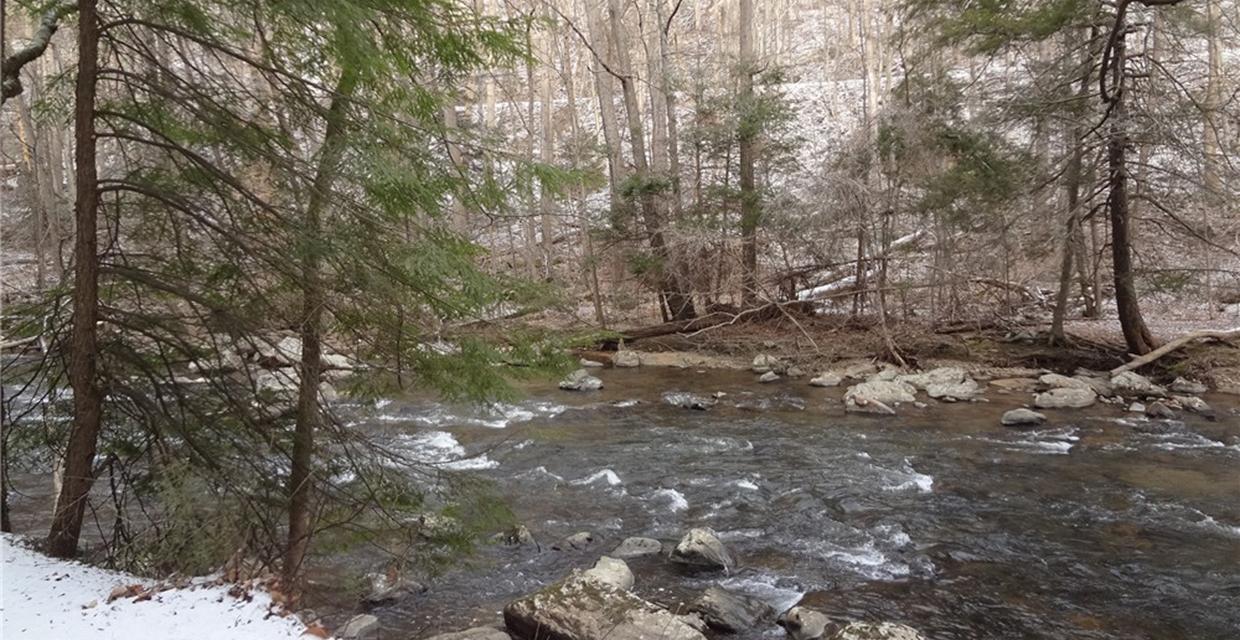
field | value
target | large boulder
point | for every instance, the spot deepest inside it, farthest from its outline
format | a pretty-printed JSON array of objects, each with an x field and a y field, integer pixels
[
  {"x": 802, "y": 623},
  {"x": 581, "y": 380},
  {"x": 888, "y": 392},
  {"x": 637, "y": 547},
  {"x": 876, "y": 631},
  {"x": 1022, "y": 418},
  {"x": 1186, "y": 386},
  {"x": 1065, "y": 398},
  {"x": 582, "y": 608},
  {"x": 729, "y": 612},
  {"x": 477, "y": 633},
  {"x": 702, "y": 548},
  {"x": 1129, "y": 383},
  {"x": 1010, "y": 385},
  {"x": 966, "y": 389},
  {"x": 1059, "y": 381},
  {"x": 626, "y": 359}
]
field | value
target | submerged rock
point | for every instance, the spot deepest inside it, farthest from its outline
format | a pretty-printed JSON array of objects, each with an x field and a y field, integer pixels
[
  {"x": 686, "y": 400},
  {"x": 518, "y": 536},
  {"x": 1065, "y": 398},
  {"x": 361, "y": 627},
  {"x": 582, "y": 608},
  {"x": 876, "y": 631},
  {"x": 477, "y": 633},
  {"x": 637, "y": 547},
  {"x": 702, "y": 547},
  {"x": 385, "y": 590},
  {"x": 827, "y": 379},
  {"x": 1129, "y": 383},
  {"x": 1184, "y": 385},
  {"x": 1022, "y": 418},
  {"x": 769, "y": 376},
  {"x": 626, "y": 359},
  {"x": 802, "y": 623},
  {"x": 580, "y": 380},
  {"x": 730, "y": 613}
]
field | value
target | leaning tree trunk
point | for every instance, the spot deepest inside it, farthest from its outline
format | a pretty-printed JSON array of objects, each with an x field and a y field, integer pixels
[
  {"x": 1136, "y": 334},
  {"x": 301, "y": 477},
  {"x": 62, "y": 539}
]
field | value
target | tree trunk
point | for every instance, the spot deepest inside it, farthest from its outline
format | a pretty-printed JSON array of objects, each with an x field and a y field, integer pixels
[
  {"x": 301, "y": 476},
  {"x": 750, "y": 207},
  {"x": 66, "y": 528},
  {"x": 1211, "y": 141},
  {"x": 1136, "y": 334},
  {"x": 604, "y": 86}
]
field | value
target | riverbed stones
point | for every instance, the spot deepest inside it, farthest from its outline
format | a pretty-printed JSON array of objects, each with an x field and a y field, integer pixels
[
  {"x": 1129, "y": 383},
  {"x": 686, "y": 400},
  {"x": 1195, "y": 405},
  {"x": 1065, "y": 398},
  {"x": 1022, "y": 418},
  {"x": 626, "y": 359},
  {"x": 942, "y": 376},
  {"x": 637, "y": 547},
  {"x": 359, "y": 627},
  {"x": 1060, "y": 381},
  {"x": 728, "y": 612},
  {"x": 964, "y": 390},
  {"x": 701, "y": 547},
  {"x": 827, "y": 379},
  {"x": 862, "y": 404},
  {"x": 887, "y": 392},
  {"x": 802, "y": 623},
  {"x": 611, "y": 571},
  {"x": 581, "y": 380},
  {"x": 581, "y": 608},
  {"x": 1159, "y": 410},
  {"x": 766, "y": 363},
  {"x": 876, "y": 631},
  {"x": 769, "y": 376},
  {"x": 1186, "y": 386},
  {"x": 477, "y": 633}
]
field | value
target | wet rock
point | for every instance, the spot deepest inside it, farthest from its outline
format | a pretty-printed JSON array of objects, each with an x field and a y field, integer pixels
[
  {"x": 581, "y": 608},
  {"x": 876, "y": 631},
  {"x": 477, "y": 633},
  {"x": 1014, "y": 385},
  {"x": 1065, "y": 398},
  {"x": 686, "y": 400},
  {"x": 579, "y": 540},
  {"x": 939, "y": 376},
  {"x": 591, "y": 364},
  {"x": 964, "y": 390},
  {"x": 857, "y": 403},
  {"x": 1186, "y": 386},
  {"x": 859, "y": 370},
  {"x": 580, "y": 380},
  {"x": 794, "y": 372},
  {"x": 1129, "y": 383},
  {"x": 702, "y": 548},
  {"x": 518, "y": 536},
  {"x": 802, "y": 623},
  {"x": 887, "y": 392},
  {"x": 827, "y": 379},
  {"x": 1195, "y": 405},
  {"x": 386, "y": 589},
  {"x": 611, "y": 571},
  {"x": 626, "y": 359},
  {"x": 360, "y": 627},
  {"x": 637, "y": 547},
  {"x": 1136, "y": 407},
  {"x": 886, "y": 375},
  {"x": 769, "y": 376},
  {"x": 764, "y": 363},
  {"x": 1022, "y": 418},
  {"x": 730, "y": 613},
  {"x": 1058, "y": 381},
  {"x": 1159, "y": 409}
]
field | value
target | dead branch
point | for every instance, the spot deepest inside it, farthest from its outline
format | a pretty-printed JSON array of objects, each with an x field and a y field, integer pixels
[{"x": 1174, "y": 345}]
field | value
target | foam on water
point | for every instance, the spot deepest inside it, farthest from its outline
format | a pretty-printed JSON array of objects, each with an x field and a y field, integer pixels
[
  {"x": 605, "y": 476},
  {"x": 442, "y": 448},
  {"x": 675, "y": 500},
  {"x": 906, "y": 479}
]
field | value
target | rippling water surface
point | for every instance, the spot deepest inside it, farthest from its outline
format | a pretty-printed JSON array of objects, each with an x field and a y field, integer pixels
[{"x": 1099, "y": 525}]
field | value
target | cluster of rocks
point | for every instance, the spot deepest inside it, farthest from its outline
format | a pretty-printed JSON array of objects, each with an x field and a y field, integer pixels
[
  {"x": 1055, "y": 391},
  {"x": 598, "y": 603},
  {"x": 882, "y": 391}
]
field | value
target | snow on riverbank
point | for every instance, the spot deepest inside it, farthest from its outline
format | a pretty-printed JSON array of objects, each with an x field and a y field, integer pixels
[{"x": 46, "y": 599}]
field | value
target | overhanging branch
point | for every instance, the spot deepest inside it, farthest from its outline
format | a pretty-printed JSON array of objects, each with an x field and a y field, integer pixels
[{"x": 11, "y": 67}]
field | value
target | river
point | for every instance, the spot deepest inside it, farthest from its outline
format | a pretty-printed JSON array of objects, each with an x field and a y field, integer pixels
[{"x": 1100, "y": 524}]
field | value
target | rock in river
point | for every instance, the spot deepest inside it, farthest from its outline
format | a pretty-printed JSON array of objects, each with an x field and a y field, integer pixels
[
  {"x": 966, "y": 389},
  {"x": 802, "y": 623},
  {"x": 769, "y": 376},
  {"x": 582, "y": 608},
  {"x": 827, "y": 379},
  {"x": 362, "y": 627},
  {"x": 611, "y": 571},
  {"x": 702, "y": 548},
  {"x": 1022, "y": 418},
  {"x": 1065, "y": 398},
  {"x": 686, "y": 400},
  {"x": 581, "y": 380},
  {"x": 763, "y": 363},
  {"x": 637, "y": 547},
  {"x": 888, "y": 392},
  {"x": 477, "y": 633},
  {"x": 876, "y": 631},
  {"x": 1184, "y": 385},
  {"x": 1135, "y": 384},
  {"x": 730, "y": 613},
  {"x": 626, "y": 359}
]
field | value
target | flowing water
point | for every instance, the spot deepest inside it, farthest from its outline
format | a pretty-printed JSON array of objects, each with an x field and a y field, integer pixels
[{"x": 1099, "y": 525}]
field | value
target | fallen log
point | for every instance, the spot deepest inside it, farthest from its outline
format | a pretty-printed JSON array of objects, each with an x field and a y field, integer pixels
[
  {"x": 1141, "y": 361},
  {"x": 767, "y": 311}
]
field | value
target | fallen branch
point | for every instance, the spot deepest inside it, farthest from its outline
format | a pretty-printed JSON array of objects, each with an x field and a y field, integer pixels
[{"x": 1179, "y": 342}]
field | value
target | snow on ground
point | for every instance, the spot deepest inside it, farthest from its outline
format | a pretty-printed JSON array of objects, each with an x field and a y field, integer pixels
[{"x": 46, "y": 599}]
